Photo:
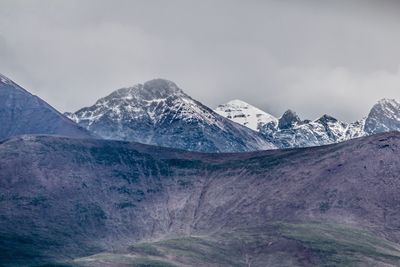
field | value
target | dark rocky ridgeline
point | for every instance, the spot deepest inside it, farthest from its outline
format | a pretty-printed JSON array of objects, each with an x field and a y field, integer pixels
[
  {"x": 288, "y": 120},
  {"x": 383, "y": 117},
  {"x": 62, "y": 199},
  {"x": 24, "y": 113},
  {"x": 291, "y": 132}
]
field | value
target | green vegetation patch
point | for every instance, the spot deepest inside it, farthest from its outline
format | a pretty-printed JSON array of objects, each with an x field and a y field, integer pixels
[
  {"x": 145, "y": 262},
  {"x": 275, "y": 244},
  {"x": 111, "y": 259},
  {"x": 145, "y": 249},
  {"x": 341, "y": 245}
]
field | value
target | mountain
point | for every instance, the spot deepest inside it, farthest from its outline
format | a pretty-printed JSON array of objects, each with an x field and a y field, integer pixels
[
  {"x": 24, "y": 113},
  {"x": 290, "y": 131},
  {"x": 77, "y": 202},
  {"x": 159, "y": 113},
  {"x": 245, "y": 114}
]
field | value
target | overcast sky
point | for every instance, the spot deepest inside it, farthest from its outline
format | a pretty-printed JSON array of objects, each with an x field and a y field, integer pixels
[{"x": 315, "y": 57}]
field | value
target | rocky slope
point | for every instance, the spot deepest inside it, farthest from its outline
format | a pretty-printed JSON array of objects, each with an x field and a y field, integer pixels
[
  {"x": 159, "y": 113},
  {"x": 24, "y": 113},
  {"x": 245, "y": 114},
  {"x": 383, "y": 117},
  {"x": 64, "y": 199}
]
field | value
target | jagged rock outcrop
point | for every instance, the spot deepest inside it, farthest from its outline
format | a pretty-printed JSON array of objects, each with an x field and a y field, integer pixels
[
  {"x": 383, "y": 117},
  {"x": 291, "y": 131}
]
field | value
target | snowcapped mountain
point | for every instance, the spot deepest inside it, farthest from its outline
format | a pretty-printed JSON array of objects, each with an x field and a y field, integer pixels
[
  {"x": 159, "y": 113},
  {"x": 24, "y": 113},
  {"x": 291, "y": 131},
  {"x": 245, "y": 114}
]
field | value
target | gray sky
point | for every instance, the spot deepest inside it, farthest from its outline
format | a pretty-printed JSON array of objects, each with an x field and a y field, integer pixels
[{"x": 315, "y": 57}]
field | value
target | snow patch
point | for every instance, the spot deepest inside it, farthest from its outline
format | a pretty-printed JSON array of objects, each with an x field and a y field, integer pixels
[{"x": 245, "y": 114}]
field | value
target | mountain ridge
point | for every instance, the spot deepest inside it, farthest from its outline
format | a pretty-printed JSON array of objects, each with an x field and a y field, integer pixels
[{"x": 159, "y": 112}]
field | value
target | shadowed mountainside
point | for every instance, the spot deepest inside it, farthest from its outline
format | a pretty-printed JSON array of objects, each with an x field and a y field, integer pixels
[
  {"x": 24, "y": 113},
  {"x": 64, "y": 199}
]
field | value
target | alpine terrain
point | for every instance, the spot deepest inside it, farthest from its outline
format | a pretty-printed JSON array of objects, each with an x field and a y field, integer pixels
[{"x": 159, "y": 113}]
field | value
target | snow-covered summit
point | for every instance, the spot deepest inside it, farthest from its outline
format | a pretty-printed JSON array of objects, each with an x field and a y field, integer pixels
[
  {"x": 245, "y": 114},
  {"x": 151, "y": 90},
  {"x": 150, "y": 101}
]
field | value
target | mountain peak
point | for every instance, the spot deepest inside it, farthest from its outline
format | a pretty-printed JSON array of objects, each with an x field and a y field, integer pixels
[
  {"x": 160, "y": 88},
  {"x": 150, "y": 90},
  {"x": 160, "y": 84},
  {"x": 383, "y": 117},
  {"x": 23, "y": 113},
  {"x": 326, "y": 118},
  {"x": 387, "y": 101},
  {"x": 238, "y": 103},
  {"x": 5, "y": 80},
  {"x": 288, "y": 119}
]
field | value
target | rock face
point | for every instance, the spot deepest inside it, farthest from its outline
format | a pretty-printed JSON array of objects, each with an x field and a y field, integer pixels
[
  {"x": 24, "y": 113},
  {"x": 62, "y": 198},
  {"x": 159, "y": 113},
  {"x": 288, "y": 120},
  {"x": 383, "y": 117},
  {"x": 245, "y": 114},
  {"x": 291, "y": 131}
]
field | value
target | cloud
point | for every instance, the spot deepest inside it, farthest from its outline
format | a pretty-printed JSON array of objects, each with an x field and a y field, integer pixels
[
  {"x": 347, "y": 94},
  {"x": 312, "y": 56}
]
